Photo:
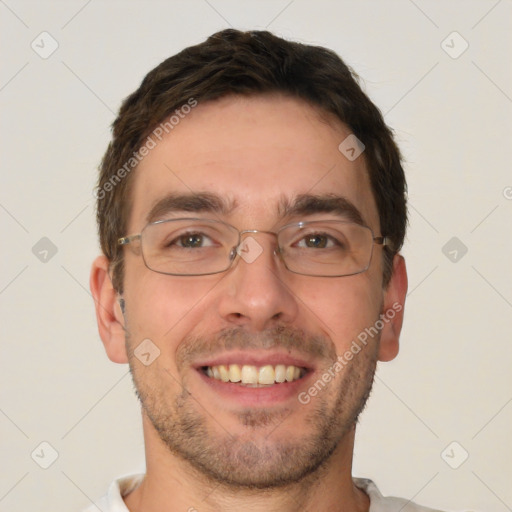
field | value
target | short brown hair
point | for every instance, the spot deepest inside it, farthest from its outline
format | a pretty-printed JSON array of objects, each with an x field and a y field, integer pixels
[{"x": 232, "y": 62}]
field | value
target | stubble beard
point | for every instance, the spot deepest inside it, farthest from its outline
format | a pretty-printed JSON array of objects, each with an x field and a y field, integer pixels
[{"x": 257, "y": 460}]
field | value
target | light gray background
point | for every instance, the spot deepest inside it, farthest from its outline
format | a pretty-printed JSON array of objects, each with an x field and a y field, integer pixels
[{"x": 452, "y": 116}]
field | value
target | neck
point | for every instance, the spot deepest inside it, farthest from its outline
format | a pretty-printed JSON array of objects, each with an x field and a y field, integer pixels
[{"x": 171, "y": 483}]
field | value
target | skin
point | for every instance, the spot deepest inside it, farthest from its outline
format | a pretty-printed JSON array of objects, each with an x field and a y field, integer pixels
[{"x": 254, "y": 151}]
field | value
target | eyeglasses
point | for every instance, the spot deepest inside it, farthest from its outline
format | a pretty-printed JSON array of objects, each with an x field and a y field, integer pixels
[{"x": 197, "y": 247}]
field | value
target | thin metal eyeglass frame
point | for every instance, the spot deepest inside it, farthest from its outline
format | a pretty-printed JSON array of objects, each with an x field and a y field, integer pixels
[{"x": 125, "y": 240}]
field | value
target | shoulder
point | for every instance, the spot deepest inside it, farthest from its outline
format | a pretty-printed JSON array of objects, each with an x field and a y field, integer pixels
[
  {"x": 113, "y": 500},
  {"x": 380, "y": 503}
]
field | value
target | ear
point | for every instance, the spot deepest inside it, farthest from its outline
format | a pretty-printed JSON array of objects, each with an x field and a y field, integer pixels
[
  {"x": 109, "y": 316},
  {"x": 393, "y": 310}
]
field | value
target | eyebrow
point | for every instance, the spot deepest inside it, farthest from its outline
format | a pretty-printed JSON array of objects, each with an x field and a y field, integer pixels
[
  {"x": 308, "y": 204},
  {"x": 303, "y": 204},
  {"x": 191, "y": 202}
]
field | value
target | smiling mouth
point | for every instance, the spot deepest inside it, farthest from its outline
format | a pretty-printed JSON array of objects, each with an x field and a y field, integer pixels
[{"x": 254, "y": 376}]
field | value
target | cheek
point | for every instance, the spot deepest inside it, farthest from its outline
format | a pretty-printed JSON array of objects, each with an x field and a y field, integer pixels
[
  {"x": 164, "y": 308},
  {"x": 344, "y": 307}
]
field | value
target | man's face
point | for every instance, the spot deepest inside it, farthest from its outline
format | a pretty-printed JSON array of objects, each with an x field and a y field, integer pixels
[{"x": 257, "y": 155}]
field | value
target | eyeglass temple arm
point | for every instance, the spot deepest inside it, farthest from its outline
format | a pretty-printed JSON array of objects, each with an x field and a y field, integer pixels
[
  {"x": 124, "y": 240},
  {"x": 382, "y": 240}
]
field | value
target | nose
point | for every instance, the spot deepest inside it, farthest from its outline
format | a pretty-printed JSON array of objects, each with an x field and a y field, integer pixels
[{"x": 255, "y": 293}]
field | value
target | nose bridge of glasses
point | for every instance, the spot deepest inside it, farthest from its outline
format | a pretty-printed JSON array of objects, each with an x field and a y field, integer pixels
[
  {"x": 254, "y": 232},
  {"x": 244, "y": 244}
]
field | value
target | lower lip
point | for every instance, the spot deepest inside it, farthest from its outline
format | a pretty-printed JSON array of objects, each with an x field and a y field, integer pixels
[{"x": 257, "y": 396}]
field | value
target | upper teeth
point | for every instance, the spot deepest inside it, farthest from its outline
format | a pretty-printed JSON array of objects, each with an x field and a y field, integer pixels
[{"x": 250, "y": 374}]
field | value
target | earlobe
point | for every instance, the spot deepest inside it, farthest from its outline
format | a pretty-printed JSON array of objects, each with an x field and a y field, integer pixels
[
  {"x": 393, "y": 310},
  {"x": 109, "y": 314}
]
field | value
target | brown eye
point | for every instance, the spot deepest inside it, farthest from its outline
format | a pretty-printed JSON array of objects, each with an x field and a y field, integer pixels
[
  {"x": 191, "y": 240},
  {"x": 316, "y": 241}
]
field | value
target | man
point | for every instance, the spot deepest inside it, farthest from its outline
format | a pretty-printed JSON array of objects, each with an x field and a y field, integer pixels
[{"x": 251, "y": 209}]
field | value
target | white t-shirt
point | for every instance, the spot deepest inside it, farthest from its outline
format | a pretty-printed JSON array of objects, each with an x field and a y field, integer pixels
[{"x": 113, "y": 501}]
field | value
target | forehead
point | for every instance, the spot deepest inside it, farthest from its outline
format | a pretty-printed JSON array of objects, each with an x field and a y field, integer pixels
[{"x": 257, "y": 153}]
